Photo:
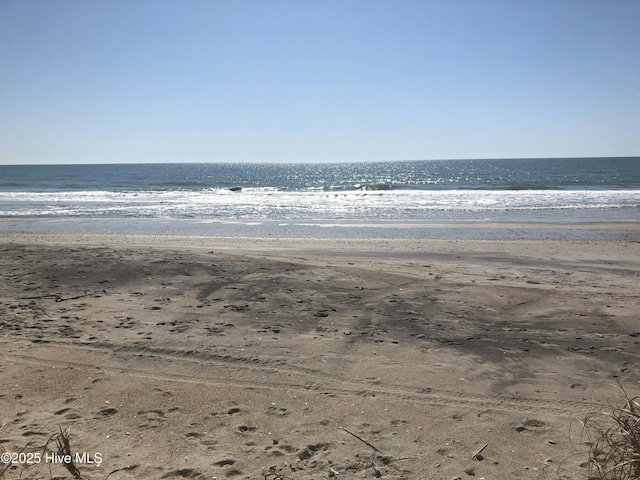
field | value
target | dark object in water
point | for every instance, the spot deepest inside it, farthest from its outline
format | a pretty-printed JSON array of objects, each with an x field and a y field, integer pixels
[{"x": 375, "y": 186}]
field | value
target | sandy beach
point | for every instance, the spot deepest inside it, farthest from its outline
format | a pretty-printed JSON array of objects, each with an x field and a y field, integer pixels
[{"x": 211, "y": 358}]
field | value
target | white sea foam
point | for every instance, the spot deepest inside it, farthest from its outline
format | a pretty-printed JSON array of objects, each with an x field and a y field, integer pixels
[{"x": 273, "y": 204}]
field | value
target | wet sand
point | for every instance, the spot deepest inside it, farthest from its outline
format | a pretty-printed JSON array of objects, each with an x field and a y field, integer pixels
[{"x": 197, "y": 357}]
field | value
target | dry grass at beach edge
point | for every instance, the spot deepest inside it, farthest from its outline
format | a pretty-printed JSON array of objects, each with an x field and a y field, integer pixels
[{"x": 613, "y": 439}]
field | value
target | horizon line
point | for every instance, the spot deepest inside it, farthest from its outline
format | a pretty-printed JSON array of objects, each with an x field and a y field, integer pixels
[{"x": 302, "y": 162}]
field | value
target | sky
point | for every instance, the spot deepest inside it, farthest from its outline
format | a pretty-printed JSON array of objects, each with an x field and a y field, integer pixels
[{"x": 121, "y": 81}]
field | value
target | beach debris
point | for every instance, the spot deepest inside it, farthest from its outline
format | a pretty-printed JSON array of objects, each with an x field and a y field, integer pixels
[
  {"x": 477, "y": 455},
  {"x": 123, "y": 469},
  {"x": 361, "y": 439},
  {"x": 64, "y": 451},
  {"x": 385, "y": 459}
]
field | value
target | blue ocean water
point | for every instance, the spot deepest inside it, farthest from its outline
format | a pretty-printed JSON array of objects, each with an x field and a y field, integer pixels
[{"x": 519, "y": 190}]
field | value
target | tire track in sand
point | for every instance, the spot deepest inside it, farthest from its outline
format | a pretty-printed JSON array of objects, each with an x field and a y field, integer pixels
[{"x": 301, "y": 378}]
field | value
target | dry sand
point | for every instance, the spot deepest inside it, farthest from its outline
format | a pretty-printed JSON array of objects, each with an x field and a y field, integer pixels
[{"x": 209, "y": 358}]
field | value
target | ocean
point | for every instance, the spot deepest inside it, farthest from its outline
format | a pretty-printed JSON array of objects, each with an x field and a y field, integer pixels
[{"x": 280, "y": 199}]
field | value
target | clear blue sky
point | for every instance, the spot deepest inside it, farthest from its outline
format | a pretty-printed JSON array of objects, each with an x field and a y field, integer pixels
[{"x": 305, "y": 80}]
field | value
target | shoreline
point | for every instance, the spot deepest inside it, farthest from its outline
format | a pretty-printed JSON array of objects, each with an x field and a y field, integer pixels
[
  {"x": 325, "y": 230},
  {"x": 202, "y": 357},
  {"x": 542, "y": 250}
]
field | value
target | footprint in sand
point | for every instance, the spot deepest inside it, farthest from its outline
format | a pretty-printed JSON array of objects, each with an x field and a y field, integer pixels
[
  {"x": 246, "y": 428},
  {"x": 107, "y": 412},
  {"x": 183, "y": 472}
]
